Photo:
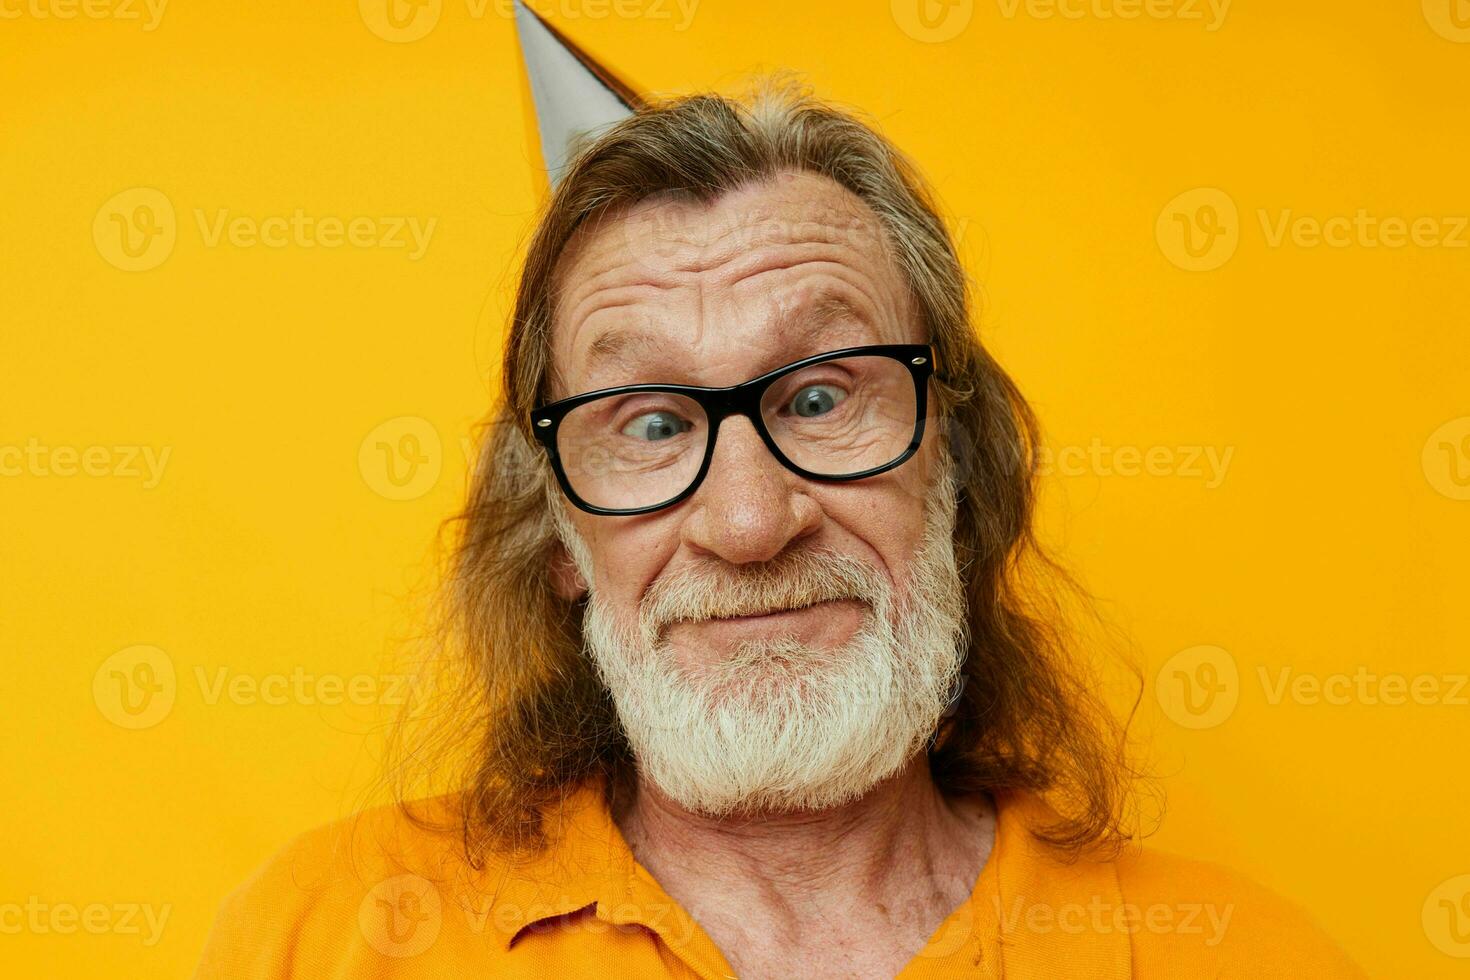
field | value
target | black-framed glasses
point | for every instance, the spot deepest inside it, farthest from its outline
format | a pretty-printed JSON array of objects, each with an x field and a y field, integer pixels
[{"x": 843, "y": 415}]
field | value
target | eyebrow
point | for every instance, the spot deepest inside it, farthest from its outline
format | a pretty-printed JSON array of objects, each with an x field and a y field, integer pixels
[
  {"x": 819, "y": 315},
  {"x": 618, "y": 347}
]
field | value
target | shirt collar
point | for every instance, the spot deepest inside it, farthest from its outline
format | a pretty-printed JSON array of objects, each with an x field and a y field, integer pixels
[
  {"x": 587, "y": 868},
  {"x": 580, "y": 866},
  {"x": 1046, "y": 911},
  {"x": 1030, "y": 910}
]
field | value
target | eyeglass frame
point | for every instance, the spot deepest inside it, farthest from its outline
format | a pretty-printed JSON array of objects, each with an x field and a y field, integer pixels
[{"x": 740, "y": 399}]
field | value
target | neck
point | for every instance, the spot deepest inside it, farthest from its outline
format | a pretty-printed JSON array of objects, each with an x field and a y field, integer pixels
[{"x": 901, "y": 846}]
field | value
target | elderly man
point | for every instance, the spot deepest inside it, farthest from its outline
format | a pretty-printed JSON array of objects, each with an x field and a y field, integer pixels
[{"x": 752, "y": 680}]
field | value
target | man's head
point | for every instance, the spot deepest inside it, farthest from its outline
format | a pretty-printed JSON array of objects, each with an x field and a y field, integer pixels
[{"x": 772, "y": 640}]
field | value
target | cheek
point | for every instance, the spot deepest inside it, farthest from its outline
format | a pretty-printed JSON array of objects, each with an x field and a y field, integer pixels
[
  {"x": 626, "y": 561},
  {"x": 888, "y": 513},
  {"x": 906, "y": 490},
  {"x": 881, "y": 524},
  {"x": 898, "y": 530}
]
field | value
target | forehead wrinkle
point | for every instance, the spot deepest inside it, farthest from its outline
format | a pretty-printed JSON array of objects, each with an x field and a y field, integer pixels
[
  {"x": 868, "y": 285},
  {"x": 604, "y": 261},
  {"x": 623, "y": 347},
  {"x": 601, "y": 299},
  {"x": 842, "y": 293}
]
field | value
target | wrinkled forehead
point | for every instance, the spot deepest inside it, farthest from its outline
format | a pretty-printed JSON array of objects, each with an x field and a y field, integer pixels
[{"x": 675, "y": 289}]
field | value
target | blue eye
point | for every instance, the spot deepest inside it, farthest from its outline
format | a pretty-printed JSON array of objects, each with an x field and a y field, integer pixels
[
  {"x": 656, "y": 426},
  {"x": 816, "y": 400}
]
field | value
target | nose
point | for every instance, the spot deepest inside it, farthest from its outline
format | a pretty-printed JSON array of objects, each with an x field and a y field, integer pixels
[{"x": 749, "y": 507}]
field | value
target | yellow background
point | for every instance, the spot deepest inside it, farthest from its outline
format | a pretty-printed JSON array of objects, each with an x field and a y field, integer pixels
[{"x": 1335, "y": 539}]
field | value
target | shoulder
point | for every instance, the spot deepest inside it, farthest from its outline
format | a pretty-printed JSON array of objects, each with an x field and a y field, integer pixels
[
  {"x": 1171, "y": 916},
  {"x": 337, "y": 899},
  {"x": 1214, "y": 922}
]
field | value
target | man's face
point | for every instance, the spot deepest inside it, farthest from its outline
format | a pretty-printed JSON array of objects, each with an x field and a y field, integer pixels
[
  {"x": 678, "y": 292},
  {"x": 704, "y": 286}
]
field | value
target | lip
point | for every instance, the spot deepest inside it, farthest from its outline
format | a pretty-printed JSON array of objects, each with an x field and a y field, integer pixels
[
  {"x": 774, "y": 617},
  {"x": 825, "y": 622}
]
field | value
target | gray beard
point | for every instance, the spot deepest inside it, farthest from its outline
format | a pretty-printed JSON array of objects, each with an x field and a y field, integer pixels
[{"x": 779, "y": 726}]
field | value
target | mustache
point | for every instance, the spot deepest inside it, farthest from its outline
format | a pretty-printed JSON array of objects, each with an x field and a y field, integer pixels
[{"x": 717, "y": 590}]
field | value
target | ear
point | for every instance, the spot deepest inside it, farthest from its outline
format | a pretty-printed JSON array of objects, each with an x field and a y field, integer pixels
[{"x": 566, "y": 579}]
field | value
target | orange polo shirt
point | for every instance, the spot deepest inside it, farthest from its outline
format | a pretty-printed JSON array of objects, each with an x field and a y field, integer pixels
[{"x": 375, "y": 897}]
